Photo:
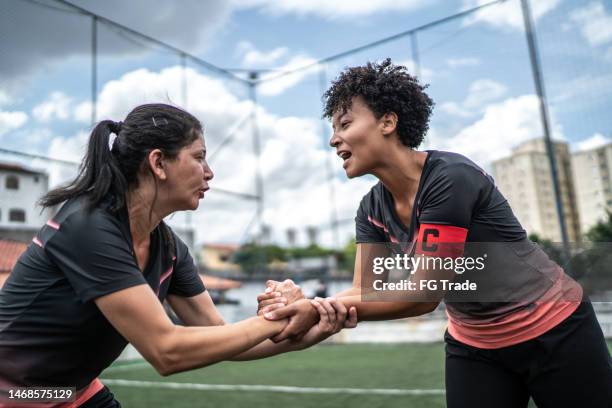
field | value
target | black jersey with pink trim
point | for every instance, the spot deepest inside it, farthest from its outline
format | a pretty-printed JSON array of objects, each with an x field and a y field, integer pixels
[
  {"x": 51, "y": 331},
  {"x": 452, "y": 191},
  {"x": 457, "y": 201}
]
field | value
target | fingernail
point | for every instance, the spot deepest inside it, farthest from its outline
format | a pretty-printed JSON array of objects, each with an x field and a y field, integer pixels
[
  {"x": 268, "y": 315},
  {"x": 268, "y": 290},
  {"x": 283, "y": 300}
]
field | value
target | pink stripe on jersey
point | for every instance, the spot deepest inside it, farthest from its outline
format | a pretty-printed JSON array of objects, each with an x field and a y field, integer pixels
[
  {"x": 37, "y": 241},
  {"x": 53, "y": 224},
  {"x": 384, "y": 227},
  {"x": 556, "y": 305},
  {"x": 166, "y": 274}
]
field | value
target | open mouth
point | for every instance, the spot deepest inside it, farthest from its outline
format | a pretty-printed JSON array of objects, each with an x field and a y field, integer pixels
[{"x": 344, "y": 155}]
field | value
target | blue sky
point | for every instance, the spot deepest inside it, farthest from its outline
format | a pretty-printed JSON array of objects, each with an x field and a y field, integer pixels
[{"x": 477, "y": 68}]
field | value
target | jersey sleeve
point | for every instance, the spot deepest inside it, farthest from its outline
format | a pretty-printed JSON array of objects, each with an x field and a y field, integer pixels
[
  {"x": 185, "y": 280},
  {"x": 447, "y": 208},
  {"x": 93, "y": 254},
  {"x": 366, "y": 231}
]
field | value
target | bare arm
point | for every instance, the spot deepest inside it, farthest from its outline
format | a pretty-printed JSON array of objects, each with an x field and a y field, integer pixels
[
  {"x": 200, "y": 311},
  {"x": 137, "y": 314},
  {"x": 197, "y": 310},
  {"x": 354, "y": 297},
  {"x": 333, "y": 317},
  {"x": 362, "y": 282}
]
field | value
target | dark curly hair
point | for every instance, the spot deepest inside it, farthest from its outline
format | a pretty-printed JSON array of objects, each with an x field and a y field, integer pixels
[{"x": 385, "y": 88}]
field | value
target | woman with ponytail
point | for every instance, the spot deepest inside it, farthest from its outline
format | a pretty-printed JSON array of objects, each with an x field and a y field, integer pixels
[{"x": 96, "y": 275}]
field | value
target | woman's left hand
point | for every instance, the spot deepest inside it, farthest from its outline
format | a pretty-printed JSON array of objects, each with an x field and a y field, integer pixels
[{"x": 333, "y": 318}]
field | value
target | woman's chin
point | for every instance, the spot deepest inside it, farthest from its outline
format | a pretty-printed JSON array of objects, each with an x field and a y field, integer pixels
[{"x": 352, "y": 172}]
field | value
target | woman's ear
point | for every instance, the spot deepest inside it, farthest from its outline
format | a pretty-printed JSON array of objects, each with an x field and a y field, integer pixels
[
  {"x": 156, "y": 164},
  {"x": 389, "y": 123}
]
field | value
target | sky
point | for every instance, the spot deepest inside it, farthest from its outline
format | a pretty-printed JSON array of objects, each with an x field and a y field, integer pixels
[{"x": 477, "y": 69}]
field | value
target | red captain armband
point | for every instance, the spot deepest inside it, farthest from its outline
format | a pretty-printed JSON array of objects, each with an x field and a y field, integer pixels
[{"x": 441, "y": 240}]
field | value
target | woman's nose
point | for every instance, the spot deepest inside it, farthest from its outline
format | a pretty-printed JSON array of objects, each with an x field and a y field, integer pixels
[
  {"x": 334, "y": 141},
  {"x": 208, "y": 173}
]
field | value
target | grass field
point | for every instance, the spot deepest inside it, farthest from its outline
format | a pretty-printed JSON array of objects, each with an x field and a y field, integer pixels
[{"x": 382, "y": 375}]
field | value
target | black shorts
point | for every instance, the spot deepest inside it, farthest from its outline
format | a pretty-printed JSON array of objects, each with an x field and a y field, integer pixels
[
  {"x": 102, "y": 399},
  {"x": 568, "y": 366}
]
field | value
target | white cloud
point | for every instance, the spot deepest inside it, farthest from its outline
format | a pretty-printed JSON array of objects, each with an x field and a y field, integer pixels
[
  {"x": 5, "y": 99},
  {"x": 426, "y": 74},
  {"x": 483, "y": 91},
  {"x": 43, "y": 36},
  {"x": 11, "y": 120},
  {"x": 82, "y": 112},
  {"x": 502, "y": 126},
  {"x": 65, "y": 148},
  {"x": 332, "y": 9},
  {"x": 455, "y": 109},
  {"x": 56, "y": 106},
  {"x": 292, "y": 156},
  {"x": 595, "y": 141},
  {"x": 507, "y": 15},
  {"x": 586, "y": 91},
  {"x": 480, "y": 92},
  {"x": 279, "y": 85},
  {"x": 252, "y": 57},
  {"x": 462, "y": 62},
  {"x": 594, "y": 23}
]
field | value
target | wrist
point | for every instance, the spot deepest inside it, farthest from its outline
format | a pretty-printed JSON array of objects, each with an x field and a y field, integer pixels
[
  {"x": 271, "y": 327},
  {"x": 311, "y": 310}
]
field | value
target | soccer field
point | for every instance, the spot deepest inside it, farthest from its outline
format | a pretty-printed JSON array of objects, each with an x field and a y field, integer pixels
[{"x": 398, "y": 375}]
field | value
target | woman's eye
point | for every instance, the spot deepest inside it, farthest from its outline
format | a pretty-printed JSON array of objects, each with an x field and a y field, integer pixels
[{"x": 344, "y": 125}]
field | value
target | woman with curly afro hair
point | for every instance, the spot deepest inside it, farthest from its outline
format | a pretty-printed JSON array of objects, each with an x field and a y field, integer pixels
[{"x": 526, "y": 331}]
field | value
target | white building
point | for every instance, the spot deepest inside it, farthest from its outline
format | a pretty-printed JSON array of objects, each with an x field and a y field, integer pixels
[
  {"x": 525, "y": 180},
  {"x": 591, "y": 171},
  {"x": 20, "y": 189}
]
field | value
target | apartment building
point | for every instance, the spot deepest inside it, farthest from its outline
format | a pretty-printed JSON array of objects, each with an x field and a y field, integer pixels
[
  {"x": 524, "y": 178},
  {"x": 20, "y": 188},
  {"x": 591, "y": 171}
]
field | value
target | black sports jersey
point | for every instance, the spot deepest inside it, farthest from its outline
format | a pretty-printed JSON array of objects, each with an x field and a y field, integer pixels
[
  {"x": 452, "y": 191},
  {"x": 461, "y": 202},
  {"x": 51, "y": 331}
]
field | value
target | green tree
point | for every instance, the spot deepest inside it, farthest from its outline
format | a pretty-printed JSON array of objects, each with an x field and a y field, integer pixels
[
  {"x": 347, "y": 256},
  {"x": 253, "y": 258},
  {"x": 602, "y": 231}
]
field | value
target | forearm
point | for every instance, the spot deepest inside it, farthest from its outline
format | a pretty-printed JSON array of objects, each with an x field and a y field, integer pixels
[
  {"x": 268, "y": 348},
  {"x": 193, "y": 347},
  {"x": 371, "y": 310},
  {"x": 352, "y": 291}
]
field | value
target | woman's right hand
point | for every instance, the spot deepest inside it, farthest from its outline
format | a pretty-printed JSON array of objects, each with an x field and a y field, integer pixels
[
  {"x": 277, "y": 295},
  {"x": 333, "y": 317}
]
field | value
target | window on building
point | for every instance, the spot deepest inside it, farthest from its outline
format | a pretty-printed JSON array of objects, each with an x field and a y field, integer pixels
[
  {"x": 12, "y": 183},
  {"x": 17, "y": 215}
]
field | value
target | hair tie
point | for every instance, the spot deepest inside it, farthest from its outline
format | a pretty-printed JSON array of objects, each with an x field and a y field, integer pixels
[{"x": 115, "y": 127}]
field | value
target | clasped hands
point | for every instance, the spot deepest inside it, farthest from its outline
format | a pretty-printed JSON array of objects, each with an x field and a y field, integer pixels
[{"x": 310, "y": 320}]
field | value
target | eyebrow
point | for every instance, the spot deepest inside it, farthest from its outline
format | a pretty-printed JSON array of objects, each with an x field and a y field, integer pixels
[{"x": 339, "y": 119}]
